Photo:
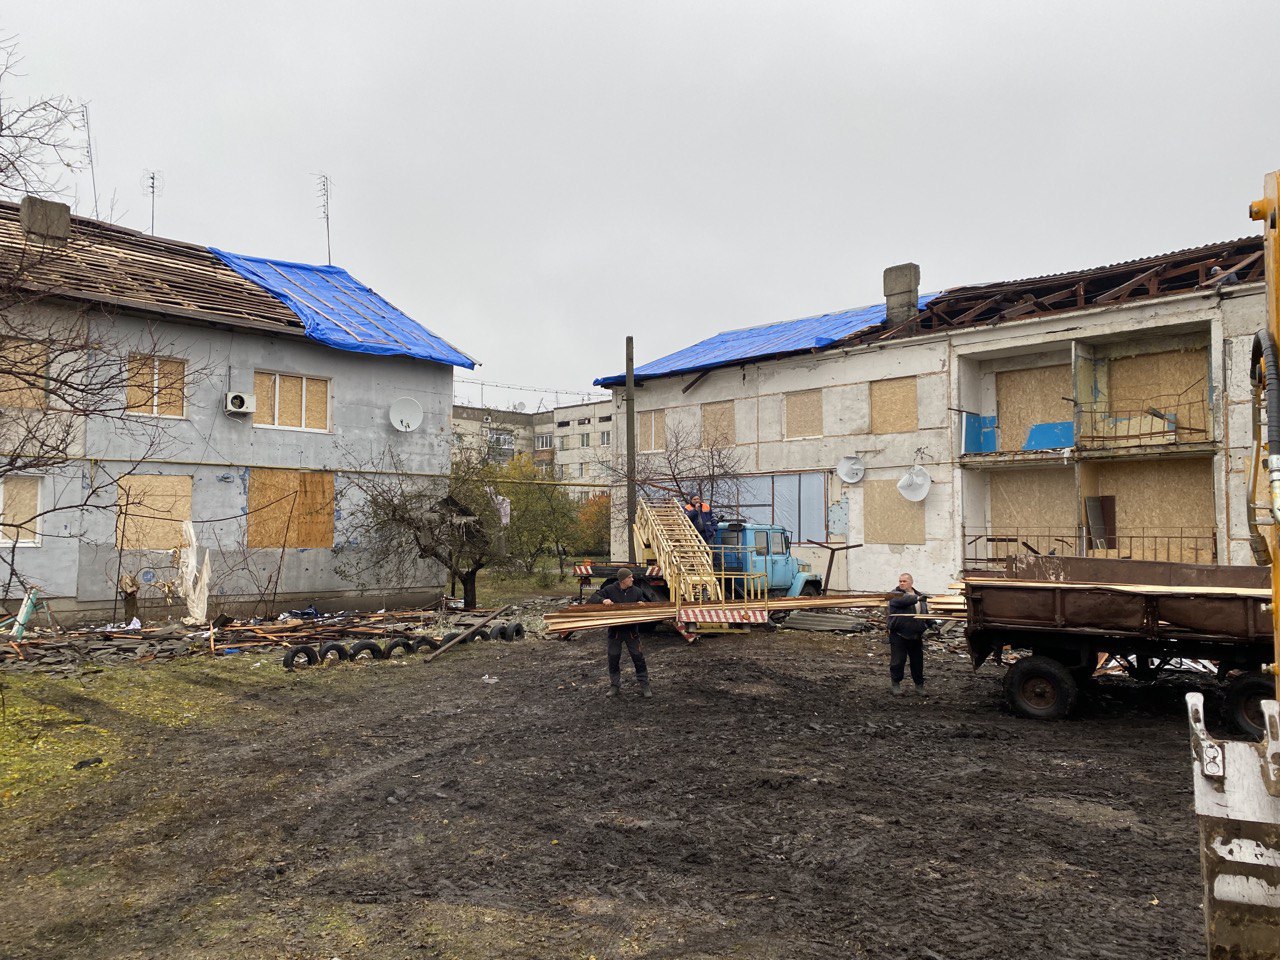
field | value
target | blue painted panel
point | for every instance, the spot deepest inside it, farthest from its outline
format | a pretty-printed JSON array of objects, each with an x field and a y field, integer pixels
[
  {"x": 979, "y": 434},
  {"x": 1051, "y": 436}
]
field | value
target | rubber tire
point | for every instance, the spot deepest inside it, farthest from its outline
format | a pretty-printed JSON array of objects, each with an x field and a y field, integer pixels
[
  {"x": 334, "y": 647},
  {"x": 513, "y": 631},
  {"x": 308, "y": 654},
  {"x": 500, "y": 632},
  {"x": 370, "y": 647},
  {"x": 481, "y": 634},
  {"x": 1244, "y": 694},
  {"x": 399, "y": 643},
  {"x": 450, "y": 637},
  {"x": 1040, "y": 688},
  {"x": 425, "y": 643}
]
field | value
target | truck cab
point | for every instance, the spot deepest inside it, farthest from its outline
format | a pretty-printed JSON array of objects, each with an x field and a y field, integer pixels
[{"x": 761, "y": 548}]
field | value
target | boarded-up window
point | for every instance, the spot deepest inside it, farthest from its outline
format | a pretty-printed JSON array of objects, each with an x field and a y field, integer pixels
[
  {"x": 23, "y": 382},
  {"x": 888, "y": 517},
  {"x": 19, "y": 505},
  {"x": 893, "y": 406},
  {"x": 717, "y": 425},
  {"x": 290, "y": 508},
  {"x": 651, "y": 431},
  {"x": 1025, "y": 398},
  {"x": 1035, "y": 504},
  {"x": 150, "y": 510},
  {"x": 285, "y": 400},
  {"x": 156, "y": 386},
  {"x": 804, "y": 414}
]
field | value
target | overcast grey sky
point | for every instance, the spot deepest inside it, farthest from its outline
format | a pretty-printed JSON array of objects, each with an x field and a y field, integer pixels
[{"x": 532, "y": 180}]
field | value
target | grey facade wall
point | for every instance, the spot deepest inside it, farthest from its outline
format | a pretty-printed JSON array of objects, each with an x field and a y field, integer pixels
[{"x": 77, "y": 560}]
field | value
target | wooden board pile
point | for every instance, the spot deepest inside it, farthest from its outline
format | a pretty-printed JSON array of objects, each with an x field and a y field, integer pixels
[{"x": 594, "y": 616}]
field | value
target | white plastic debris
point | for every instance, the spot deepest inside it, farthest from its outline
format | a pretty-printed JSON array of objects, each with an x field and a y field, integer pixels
[{"x": 488, "y": 679}]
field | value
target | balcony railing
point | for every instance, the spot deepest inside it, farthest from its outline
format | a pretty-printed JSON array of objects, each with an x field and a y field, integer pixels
[
  {"x": 990, "y": 548},
  {"x": 1155, "y": 421}
]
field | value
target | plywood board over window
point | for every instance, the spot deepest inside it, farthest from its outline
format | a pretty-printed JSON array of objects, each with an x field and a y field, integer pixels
[
  {"x": 718, "y": 428},
  {"x": 1175, "y": 382},
  {"x": 290, "y": 508},
  {"x": 19, "y": 506},
  {"x": 894, "y": 406},
  {"x": 150, "y": 510},
  {"x": 1025, "y": 398},
  {"x": 156, "y": 386},
  {"x": 23, "y": 382},
  {"x": 804, "y": 414},
  {"x": 888, "y": 517},
  {"x": 290, "y": 400},
  {"x": 651, "y": 431},
  {"x": 1038, "y": 501}
]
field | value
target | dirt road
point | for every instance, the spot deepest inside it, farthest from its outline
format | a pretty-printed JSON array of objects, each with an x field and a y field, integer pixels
[{"x": 770, "y": 802}]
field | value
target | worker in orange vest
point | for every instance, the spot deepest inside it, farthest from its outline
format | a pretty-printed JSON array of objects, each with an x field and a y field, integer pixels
[{"x": 700, "y": 515}]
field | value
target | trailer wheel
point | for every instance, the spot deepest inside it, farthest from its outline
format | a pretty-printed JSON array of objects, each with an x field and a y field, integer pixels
[
  {"x": 1041, "y": 688},
  {"x": 308, "y": 656},
  {"x": 1244, "y": 702}
]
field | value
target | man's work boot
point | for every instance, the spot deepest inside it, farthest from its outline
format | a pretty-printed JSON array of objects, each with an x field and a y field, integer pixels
[
  {"x": 919, "y": 689},
  {"x": 895, "y": 688},
  {"x": 644, "y": 689},
  {"x": 613, "y": 690}
]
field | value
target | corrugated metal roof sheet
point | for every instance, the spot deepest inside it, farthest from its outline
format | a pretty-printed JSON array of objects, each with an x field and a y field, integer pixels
[
  {"x": 755, "y": 343},
  {"x": 341, "y": 312}
]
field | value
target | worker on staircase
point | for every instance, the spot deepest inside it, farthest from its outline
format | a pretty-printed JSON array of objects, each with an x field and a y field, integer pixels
[
  {"x": 702, "y": 517},
  {"x": 624, "y": 590}
]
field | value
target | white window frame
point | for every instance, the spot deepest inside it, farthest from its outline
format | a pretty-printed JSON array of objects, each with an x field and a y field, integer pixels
[
  {"x": 606, "y": 437},
  {"x": 39, "y": 520},
  {"x": 275, "y": 410},
  {"x": 544, "y": 441},
  {"x": 155, "y": 388}
]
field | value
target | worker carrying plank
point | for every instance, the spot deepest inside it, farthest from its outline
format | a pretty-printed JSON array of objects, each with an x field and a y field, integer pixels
[
  {"x": 623, "y": 590},
  {"x": 906, "y": 635}
]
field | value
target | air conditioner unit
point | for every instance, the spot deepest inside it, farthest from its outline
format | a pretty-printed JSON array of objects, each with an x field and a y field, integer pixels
[{"x": 239, "y": 402}]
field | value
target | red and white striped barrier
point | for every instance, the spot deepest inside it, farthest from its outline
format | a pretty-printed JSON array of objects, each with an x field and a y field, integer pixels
[
  {"x": 702, "y": 615},
  {"x": 582, "y": 569},
  {"x": 653, "y": 571}
]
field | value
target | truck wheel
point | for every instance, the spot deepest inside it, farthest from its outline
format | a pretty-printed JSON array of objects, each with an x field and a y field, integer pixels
[
  {"x": 1040, "y": 688},
  {"x": 810, "y": 589},
  {"x": 1244, "y": 702}
]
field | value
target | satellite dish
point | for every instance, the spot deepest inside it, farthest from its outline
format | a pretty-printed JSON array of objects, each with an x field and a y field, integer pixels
[
  {"x": 850, "y": 469},
  {"x": 915, "y": 484},
  {"x": 520, "y": 407},
  {"x": 406, "y": 414}
]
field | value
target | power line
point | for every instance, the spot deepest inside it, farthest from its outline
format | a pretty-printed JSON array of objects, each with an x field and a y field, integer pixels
[{"x": 571, "y": 391}]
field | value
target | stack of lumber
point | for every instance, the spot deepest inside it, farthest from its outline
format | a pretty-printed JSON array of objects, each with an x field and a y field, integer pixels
[
  {"x": 946, "y": 606},
  {"x": 593, "y": 616},
  {"x": 824, "y": 621}
]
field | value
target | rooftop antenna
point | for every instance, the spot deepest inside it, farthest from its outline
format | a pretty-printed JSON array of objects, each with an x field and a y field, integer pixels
[
  {"x": 88, "y": 149},
  {"x": 324, "y": 189},
  {"x": 153, "y": 183}
]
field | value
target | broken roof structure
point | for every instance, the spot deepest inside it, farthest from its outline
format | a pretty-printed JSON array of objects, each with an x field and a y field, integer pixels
[
  {"x": 102, "y": 263},
  {"x": 1182, "y": 271}
]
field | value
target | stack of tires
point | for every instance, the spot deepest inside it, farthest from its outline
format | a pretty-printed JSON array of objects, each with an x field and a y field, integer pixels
[{"x": 335, "y": 651}]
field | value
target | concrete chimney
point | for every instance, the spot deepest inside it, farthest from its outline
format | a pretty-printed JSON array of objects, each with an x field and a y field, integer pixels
[
  {"x": 45, "y": 220},
  {"x": 902, "y": 292}
]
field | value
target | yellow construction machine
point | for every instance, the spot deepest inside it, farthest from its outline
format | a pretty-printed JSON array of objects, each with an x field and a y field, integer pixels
[{"x": 1237, "y": 783}]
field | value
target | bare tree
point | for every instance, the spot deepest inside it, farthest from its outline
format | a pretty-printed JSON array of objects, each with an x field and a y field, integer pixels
[
  {"x": 398, "y": 520},
  {"x": 40, "y": 139}
]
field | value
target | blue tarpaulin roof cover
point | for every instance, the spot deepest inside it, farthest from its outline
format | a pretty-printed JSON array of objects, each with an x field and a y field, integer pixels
[
  {"x": 339, "y": 311},
  {"x": 737, "y": 346}
]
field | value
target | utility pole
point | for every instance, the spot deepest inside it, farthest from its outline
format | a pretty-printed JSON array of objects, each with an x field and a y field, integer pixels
[{"x": 631, "y": 448}]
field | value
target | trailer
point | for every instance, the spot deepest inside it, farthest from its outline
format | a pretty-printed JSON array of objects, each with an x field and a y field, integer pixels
[{"x": 1068, "y": 615}]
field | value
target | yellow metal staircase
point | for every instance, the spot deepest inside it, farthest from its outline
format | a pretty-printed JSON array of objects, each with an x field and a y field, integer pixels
[{"x": 664, "y": 536}]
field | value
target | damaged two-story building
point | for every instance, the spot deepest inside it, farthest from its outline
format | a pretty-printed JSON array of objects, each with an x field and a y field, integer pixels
[
  {"x": 251, "y": 392},
  {"x": 1103, "y": 412}
]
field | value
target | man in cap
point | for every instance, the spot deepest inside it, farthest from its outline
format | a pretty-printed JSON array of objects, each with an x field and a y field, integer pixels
[{"x": 623, "y": 590}]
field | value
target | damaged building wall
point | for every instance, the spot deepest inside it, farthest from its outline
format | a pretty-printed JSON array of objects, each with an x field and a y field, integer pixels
[{"x": 216, "y": 456}]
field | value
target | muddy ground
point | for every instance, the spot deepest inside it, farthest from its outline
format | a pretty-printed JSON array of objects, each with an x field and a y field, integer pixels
[{"x": 771, "y": 801}]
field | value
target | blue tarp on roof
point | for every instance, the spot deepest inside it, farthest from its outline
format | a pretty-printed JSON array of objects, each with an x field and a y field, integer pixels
[
  {"x": 737, "y": 346},
  {"x": 339, "y": 311}
]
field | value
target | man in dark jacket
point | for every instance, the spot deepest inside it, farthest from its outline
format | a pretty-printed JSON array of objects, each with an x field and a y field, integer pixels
[
  {"x": 702, "y": 517},
  {"x": 623, "y": 590},
  {"x": 906, "y": 635}
]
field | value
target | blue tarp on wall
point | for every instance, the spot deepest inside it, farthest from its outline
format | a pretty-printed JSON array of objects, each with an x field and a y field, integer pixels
[
  {"x": 339, "y": 311},
  {"x": 1050, "y": 436},
  {"x": 736, "y": 346}
]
